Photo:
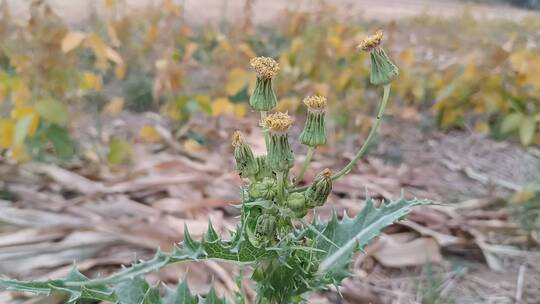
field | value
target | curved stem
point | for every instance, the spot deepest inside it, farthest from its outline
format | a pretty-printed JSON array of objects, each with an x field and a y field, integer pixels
[
  {"x": 305, "y": 165},
  {"x": 367, "y": 142},
  {"x": 370, "y": 137}
]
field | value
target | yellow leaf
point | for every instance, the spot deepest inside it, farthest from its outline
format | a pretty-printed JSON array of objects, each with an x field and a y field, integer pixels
[
  {"x": 289, "y": 104},
  {"x": 240, "y": 110},
  {"x": 193, "y": 146},
  {"x": 91, "y": 81},
  {"x": 71, "y": 41},
  {"x": 344, "y": 79},
  {"x": 481, "y": 127},
  {"x": 20, "y": 113},
  {"x": 407, "y": 57},
  {"x": 113, "y": 56},
  {"x": 109, "y": 3},
  {"x": 7, "y": 129},
  {"x": 171, "y": 8},
  {"x": 19, "y": 154},
  {"x": 148, "y": 134},
  {"x": 20, "y": 93},
  {"x": 222, "y": 106},
  {"x": 522, "y": 196},
  {"x": 246, "y": 50},
  {"x": 236, "y": 80},
  {"x": 115, "y": 106},
  {"x": 120, "y": 71}
]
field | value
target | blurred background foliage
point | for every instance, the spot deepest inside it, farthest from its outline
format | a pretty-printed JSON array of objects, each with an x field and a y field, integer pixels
[{"x": 481, "y": 75}]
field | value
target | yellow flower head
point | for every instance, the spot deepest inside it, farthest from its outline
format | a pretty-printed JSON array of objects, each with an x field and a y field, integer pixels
[
  {"x": 326, "y": 173},
  {"x": 265, "y": 67},
  {"x": 238, "y": 139},
  {"x": 316, "y": 102},
  {"x": 278, "y": 122},
  {"x": 371, "y": 42}
]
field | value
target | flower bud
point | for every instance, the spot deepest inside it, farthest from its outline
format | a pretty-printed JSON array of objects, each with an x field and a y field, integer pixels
[
  {"x": 314, "y": 133},
  {"x": 245, "y": 161},
  {"x": 280, "y": 156},
  {"x": 319, "y": 190},
  {"x": 265, "y": 189},
  {"x": 265, "y": 227},
  {"x": 297, "y": 203},
  {"x": 263, "y": 97},
  {"x": 383, "y": 70}
]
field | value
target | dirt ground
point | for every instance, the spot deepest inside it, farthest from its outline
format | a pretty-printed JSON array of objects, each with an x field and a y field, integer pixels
[{"x": 202, "y": 11}]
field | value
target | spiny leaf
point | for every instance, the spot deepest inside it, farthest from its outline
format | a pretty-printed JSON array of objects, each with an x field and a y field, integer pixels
[
  {"x": 182, "y": 294},
  {"x": 128, "y": 285},
  {"x": 351, "y": 234}
]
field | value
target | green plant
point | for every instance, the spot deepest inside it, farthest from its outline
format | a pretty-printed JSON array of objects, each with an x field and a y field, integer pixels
[{"x": 290, "y": 256}]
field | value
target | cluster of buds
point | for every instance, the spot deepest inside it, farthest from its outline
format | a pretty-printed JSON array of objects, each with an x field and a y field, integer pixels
[{"x": 270, "y": 184}]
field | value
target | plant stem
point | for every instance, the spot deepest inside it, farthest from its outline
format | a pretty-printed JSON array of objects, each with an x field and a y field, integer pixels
[
  {"x": 367, "y": 142},
  {"x": 370, "y": 137},
  {"x": 265, "y": 131},
  {"x": 281, "y": 180},
  {"x": 305, "y": 165}
]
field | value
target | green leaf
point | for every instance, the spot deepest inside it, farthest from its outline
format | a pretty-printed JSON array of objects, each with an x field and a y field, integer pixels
[
  {"x": 151, "y": 296},
  {"x": 182, "y": 294},
  {"x": 351, "y": 234},
  {"x": 132, "y": 291},
  {"x": 511, "y": 122},
  {"x": 526, "y": 130},
  {"x": 68, "y": 285},
  {"x": 61, "y": 141},
  {"x": 22, "y": 127},
  {"x": 119, "y": 151},
  {"x": 53, "y": 111}
]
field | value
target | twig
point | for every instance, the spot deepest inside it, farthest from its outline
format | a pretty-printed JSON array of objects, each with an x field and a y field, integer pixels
[{"x": 520, "y": 280}]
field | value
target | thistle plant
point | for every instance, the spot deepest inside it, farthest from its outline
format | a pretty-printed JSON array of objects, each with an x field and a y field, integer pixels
[{"x": 290, "y": 257}]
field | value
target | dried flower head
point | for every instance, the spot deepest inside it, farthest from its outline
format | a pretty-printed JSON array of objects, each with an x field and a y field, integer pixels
[
  {"x": 265, "y": 67},
  {"x": 237, "y": 139},
  {"x": 326, "y": 173},
  {"x": 278, "y": 122},
  {"x": 315, "y": 102},
  {"x": 371, "y": 42}
]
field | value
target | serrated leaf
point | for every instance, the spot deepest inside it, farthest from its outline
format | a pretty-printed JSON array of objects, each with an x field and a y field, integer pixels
[
  {"x": 132, "y": 291},
  {"x": 182, "y": 294},
  {"x": 351, "y": 234},
  {"x": 151, "y": 296}
]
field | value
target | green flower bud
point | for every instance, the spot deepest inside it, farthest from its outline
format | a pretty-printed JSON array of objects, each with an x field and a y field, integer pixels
[
  {"x": 383, "y": 70},
  {"x": 264, "y": 170},
  {"x": 319, "y": 190},
  {"x": 265, "y": 227},
  {"x": 263, "y": 97},
  {"x": 314, "y": 133},
  {"x": 280, "y": 156},
  {"x": 258, "y": 274},
  {"x": 265, "y": 189},
  {"x": 297, "y": 203},
  {"x": 245, "y": 161}
]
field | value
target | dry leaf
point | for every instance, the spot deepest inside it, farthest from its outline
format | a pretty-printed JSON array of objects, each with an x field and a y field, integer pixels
[{"x": 71, "y": 41}]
